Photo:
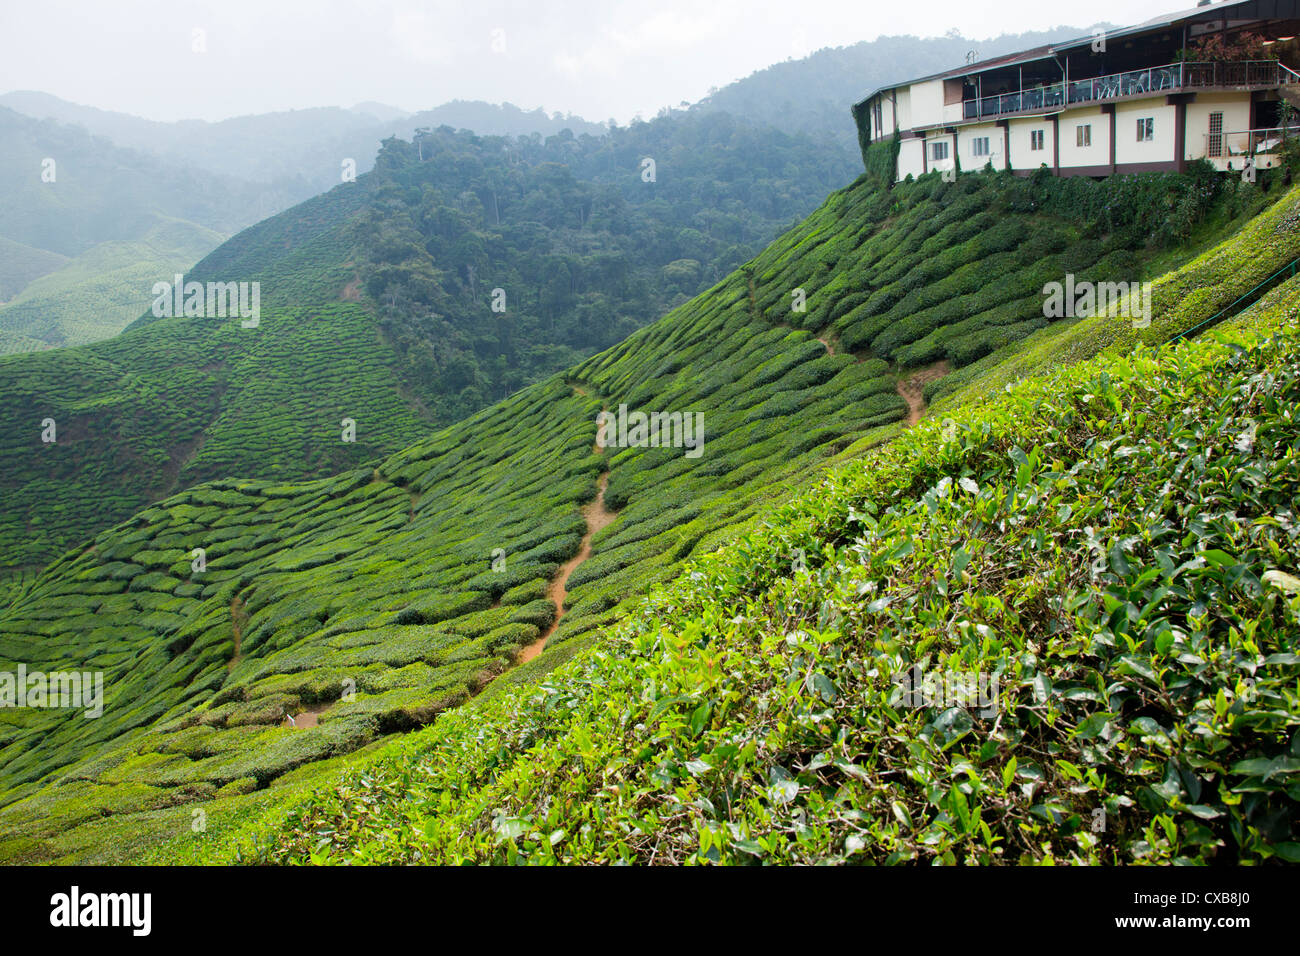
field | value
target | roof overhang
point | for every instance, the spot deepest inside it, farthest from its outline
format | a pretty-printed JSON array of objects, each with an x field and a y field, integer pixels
[{"x": 1236, "y": 13}]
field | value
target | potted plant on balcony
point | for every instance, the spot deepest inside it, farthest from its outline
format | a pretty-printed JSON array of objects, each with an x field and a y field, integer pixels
[{"x": 1217, "y": 49}]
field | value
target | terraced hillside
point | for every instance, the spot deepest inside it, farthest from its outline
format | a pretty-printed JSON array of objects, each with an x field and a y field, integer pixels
[
  {"x": 377, "y": 303},
  {"x": 372, "y": 601},
  {"x": 102, "y": 291},
  {"x": 21, "y": 264},
  {"x": 1137, "y": 612}
]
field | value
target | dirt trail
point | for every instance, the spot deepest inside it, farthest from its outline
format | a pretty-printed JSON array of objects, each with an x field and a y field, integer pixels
[
  {"x": 308, "y": 716},
  {"x": 911, "y": 388},
  {"x": 597, "y": 517}
]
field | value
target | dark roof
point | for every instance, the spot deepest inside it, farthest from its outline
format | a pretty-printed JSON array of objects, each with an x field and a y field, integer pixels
[
  {"x": 1249, "y": 9},
  {"x": 1007, "y": 59}
]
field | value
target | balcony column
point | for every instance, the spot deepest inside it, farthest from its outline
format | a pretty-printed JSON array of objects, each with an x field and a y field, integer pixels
[
  {"x": 1056, "y": 145},
  {"x": 1109, "y": 109},
  {"x": 1179, "y": 102}
]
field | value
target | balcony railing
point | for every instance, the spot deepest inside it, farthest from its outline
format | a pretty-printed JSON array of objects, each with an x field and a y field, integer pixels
[
  {"x": 1248, "y": 142},
  {"x": 1155, "y": 79}
]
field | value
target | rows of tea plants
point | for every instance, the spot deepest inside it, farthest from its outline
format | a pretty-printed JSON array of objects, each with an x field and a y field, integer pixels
[
  {"x": 382, "y": 581},
  {"x": 373, "y": 593},
  {"x": 1116, "y": 543},
  {"x": 923, "y": 272}
]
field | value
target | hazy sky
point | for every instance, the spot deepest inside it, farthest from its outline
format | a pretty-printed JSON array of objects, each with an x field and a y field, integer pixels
[{"x": 596, "y": 58}]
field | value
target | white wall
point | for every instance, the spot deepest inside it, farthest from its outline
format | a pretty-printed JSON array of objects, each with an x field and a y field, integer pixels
[
  {"x": 1236, "y": 116},
  {"x": 904, "y": 108},
  {"x": 926, "y": 103},
  {"x": 909, "y": 158},
  {"x": 1022, "y": 157},
  {"x": 1161, "y": 149},
  {"x": 997, "y": 149},
  {"x": 888, "y": 120},
  {"x": 1098, "y": 154}
]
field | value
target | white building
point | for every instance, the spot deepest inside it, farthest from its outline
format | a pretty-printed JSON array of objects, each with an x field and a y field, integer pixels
[{"x": 1215, "y": 82}]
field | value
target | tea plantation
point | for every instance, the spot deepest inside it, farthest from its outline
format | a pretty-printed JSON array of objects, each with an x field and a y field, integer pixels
[
  {"x": 377, "y": 305},
  {"x": 382, "y": 597},
  {"x": 1132, "y": 602}
]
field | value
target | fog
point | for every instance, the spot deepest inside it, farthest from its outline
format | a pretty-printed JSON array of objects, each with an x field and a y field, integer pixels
[{"x": 600, "y": 59}]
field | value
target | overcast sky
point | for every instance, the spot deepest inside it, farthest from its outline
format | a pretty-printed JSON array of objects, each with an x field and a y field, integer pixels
[{"x": 596, "y": 58}]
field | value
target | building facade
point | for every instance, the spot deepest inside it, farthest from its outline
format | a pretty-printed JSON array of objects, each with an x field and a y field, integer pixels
[{"x": 1217, "y": 82}]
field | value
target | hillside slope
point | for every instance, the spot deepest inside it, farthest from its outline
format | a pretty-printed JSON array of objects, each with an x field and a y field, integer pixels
[
  {"x": 377, "y": 304},
  {"x": 103, "y": 290},
  {"x": 1138, "y": 610},
  {"x": 20, "y": 264},
  {"x": 372, "y": 601}
]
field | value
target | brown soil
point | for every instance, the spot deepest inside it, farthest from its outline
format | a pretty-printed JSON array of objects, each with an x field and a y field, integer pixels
[
  {"x": 597, "y": 517},
  {"x": 911, "y": 388},
  {"x": 308, "y": 716}
]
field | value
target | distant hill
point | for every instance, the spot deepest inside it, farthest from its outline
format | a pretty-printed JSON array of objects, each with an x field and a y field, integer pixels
[
  {"x": 814, "y": 94},
  {"x": 376, "y": 305},
  {"x": 380, "y": 111},
  {"x": 297, "y": 152},
  {"x": 85, "y": 225},
  {"x": 101, "y": 291},
  {"x": 100, "y": 191},
  {"x": 505, "y": 119},
  {"x": 20, "y": 264}
]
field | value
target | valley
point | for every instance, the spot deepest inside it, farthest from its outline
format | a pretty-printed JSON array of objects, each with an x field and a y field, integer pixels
[
  {"x": 379, "y": 582},
  {"x": 820, "y": 472}
]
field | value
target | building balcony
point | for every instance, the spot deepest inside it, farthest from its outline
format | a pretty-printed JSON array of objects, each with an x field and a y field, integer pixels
[
  {"x": 1230, "y": 150},
  {"x": 1249, "y": 142},
  {"x": 1170, "y": 78}
]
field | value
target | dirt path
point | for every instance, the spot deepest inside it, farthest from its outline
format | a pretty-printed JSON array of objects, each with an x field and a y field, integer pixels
[
  {"x": 911, "y": 388},
  {"x": 597, "y": 517},
  {"x": 308, "y": 716}
]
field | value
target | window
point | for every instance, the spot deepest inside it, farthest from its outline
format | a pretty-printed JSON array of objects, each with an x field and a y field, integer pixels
[
  {"x": 1083, "y": 134},
  {"x": 1146, "y": 130},
  {"x": 1036, "y": 138},
  {"x": 1216, "y": 134},
  {"x": 939, "y": 150},
  {"x": 878, "y": 120},
  {"x": 979, "y": 146}
]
